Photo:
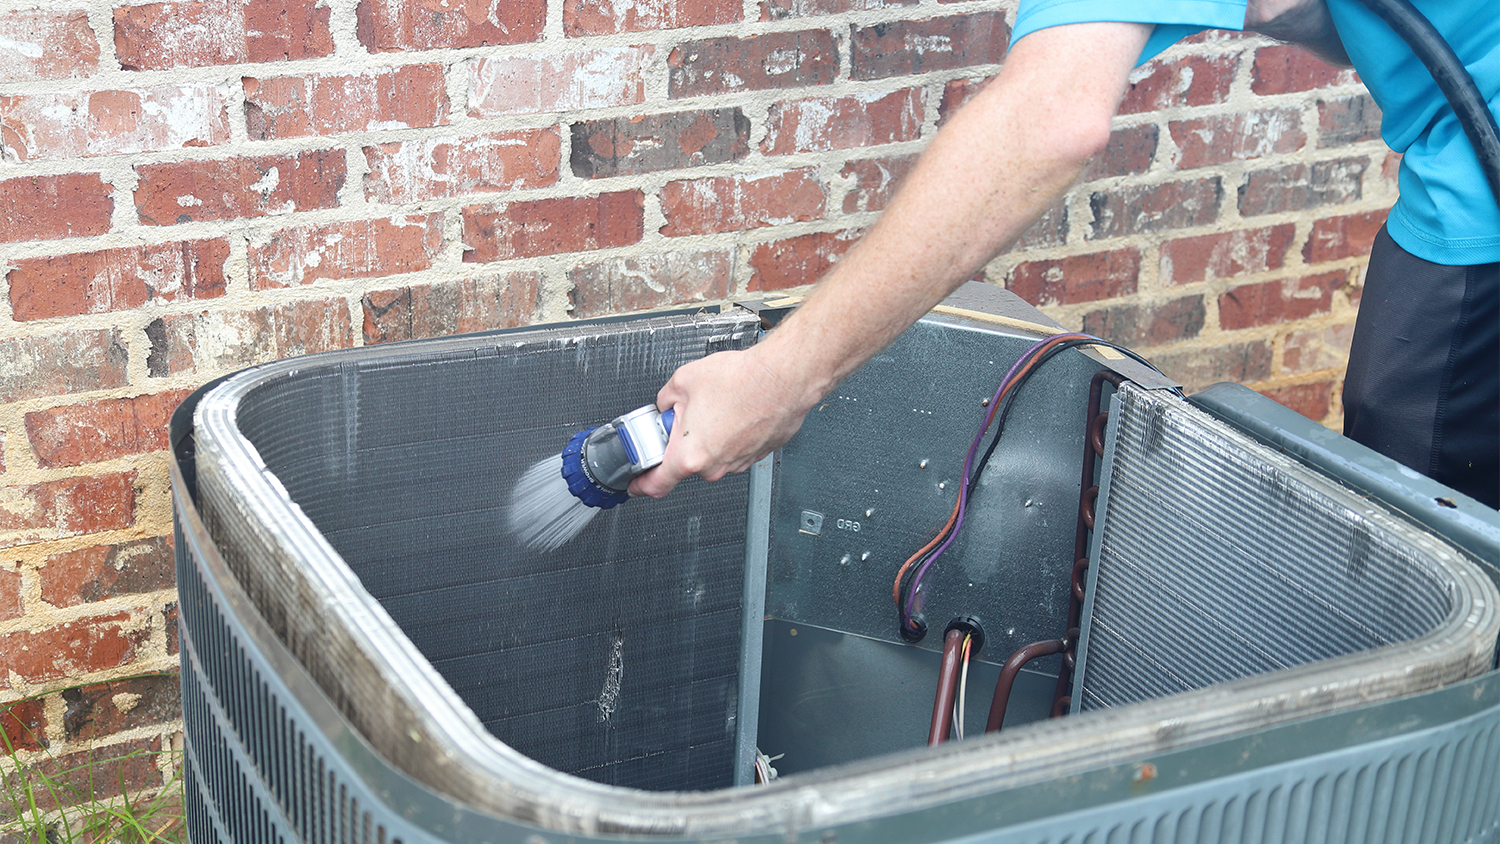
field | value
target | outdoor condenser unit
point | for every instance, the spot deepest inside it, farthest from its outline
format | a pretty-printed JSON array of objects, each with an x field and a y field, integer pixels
[{"x": 1282, "y": 637}]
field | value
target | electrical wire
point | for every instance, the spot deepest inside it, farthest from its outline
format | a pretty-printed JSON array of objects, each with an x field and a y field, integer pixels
[{"x": 963, "y": 688}]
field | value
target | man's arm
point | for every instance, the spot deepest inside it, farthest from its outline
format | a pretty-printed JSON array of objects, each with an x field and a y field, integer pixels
[{"x": 1002, "y": 161}]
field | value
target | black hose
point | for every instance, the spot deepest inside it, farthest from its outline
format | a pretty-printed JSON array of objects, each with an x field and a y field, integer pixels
[{"x": 1451, "y": 77}]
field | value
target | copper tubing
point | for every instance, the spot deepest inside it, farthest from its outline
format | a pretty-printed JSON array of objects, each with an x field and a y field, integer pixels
[
  {"x": 1008, "y": 677},
  {"x": 947, "y": 689}
]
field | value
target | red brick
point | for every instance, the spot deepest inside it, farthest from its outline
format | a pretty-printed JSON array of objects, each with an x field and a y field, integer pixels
[
  {"x": 774, "y": 60},
  {"x": 1348, "y": 121},
  {"x": 69, "y": 507},
  {"x": 79, "y": 124},
  {"x": 1199, "y": 368},
  {"x": 48, "y": 207},
  {"x": 57, "y": 364},
  {"x": 169, "y": 618},
  {"x": 437, "y": 168},
  {"x": 106, "y": 571},
  {"x": 89, "y": 777},
  {"x": 117, "y": 279},
  {"x": 1051, "y": 229},
  {"x": 648, "y": 281},
  {"x": 549, "y": 226},
  {"x": 1130, "y": 152},
  {"x": 1160, "y": 84},
  {"x": 23, "y": 725},
  {"x": 1152, "y": 208},
  {"x": 103, "y": 430},
  {"x": 45, "y": 44},
  {"x": 197, "y": 33},
  {"x": 192, "y": 191},
  {"x": 354, "y": 249},
  {"x": 1076, "y": 278},
  {"x": 1315, "y": 401},
  {"x": 1390, "y": 168},
  {"x": 10, "y": 595},
  {"x": 628, "y": 146},
  {"x": 1334, "y": 238},
  {"x": 903, "y": 48},
  {"x": 582, "y": 79},
  {"x": 825, "y": 123},
  {"x": 1212, "y": 140},
  {"x": 100, "y": 710},
  {"x": 783, "y": 9},
  {"x": 1226, "y": 254},
  {"x": 397, "y": 26},
  {"x": 220, "y": 341},
  {"x": 795, "y": 261},
  {"x": 1297, "y": 187},
  {"x": 605, "y": 17},
  {"x": 737, "y": 203},
  {"x": 390, "y": 98},
  {"x": 1285, "y": 69},
  {"x": 455, "y": 307},
  {"x": 956, "y": 93},
  {"x": 875, "y": 181},
  {"x": 1279, "y": 300},
  {"x": 1148, "y": 324},
  {"x": 1319, "y": 350}
]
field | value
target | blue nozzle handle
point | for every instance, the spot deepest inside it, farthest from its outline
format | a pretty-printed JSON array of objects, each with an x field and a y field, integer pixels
[{"x": 668, "y": 416}]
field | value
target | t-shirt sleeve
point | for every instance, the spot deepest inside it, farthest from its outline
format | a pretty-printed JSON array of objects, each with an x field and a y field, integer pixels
[{"x": 1174, "y": 19}]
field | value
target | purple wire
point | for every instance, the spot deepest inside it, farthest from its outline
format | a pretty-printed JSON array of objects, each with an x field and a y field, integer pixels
[{"x": 963, "y": 484}]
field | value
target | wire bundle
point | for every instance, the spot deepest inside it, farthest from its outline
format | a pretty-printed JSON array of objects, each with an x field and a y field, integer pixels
[{"x": 907, "y": 588}]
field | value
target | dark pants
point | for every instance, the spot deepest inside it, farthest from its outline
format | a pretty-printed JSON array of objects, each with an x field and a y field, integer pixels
[{"x": 1423, "y": 386}]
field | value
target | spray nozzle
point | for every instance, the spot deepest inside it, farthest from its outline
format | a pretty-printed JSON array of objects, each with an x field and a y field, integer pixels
[{"x": 599, "y": 463}]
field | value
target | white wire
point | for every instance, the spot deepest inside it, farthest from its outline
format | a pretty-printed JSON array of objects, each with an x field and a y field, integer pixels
[{"x": 963, "y": 688}]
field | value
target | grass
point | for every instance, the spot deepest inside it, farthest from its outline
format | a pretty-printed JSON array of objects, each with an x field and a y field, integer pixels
[{"x": 87, "y": 798}]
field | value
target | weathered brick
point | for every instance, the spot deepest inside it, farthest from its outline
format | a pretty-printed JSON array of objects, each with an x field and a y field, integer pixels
[
  {"x": 1130, "y": 152},
  {"x": 394, "y": 26},
  {"x": 88, "y": 777},
  {"x": 1076, "y": 278},
  {"x": 825, "y": 123},
  {"x": 738, "y": 203},
  {"x": 58, "y": 364},
  {"x": 1317, "y": 350},
  {"x": 79, "y": 124},
  {"x": 903, "y": 48},
  {"x": 354, "y": 249},
  {"x": 169, "y": 618},
  {"x": 1390, "y": 168},
  {"x": 1348, "y": 121},
  {"x": 93, "y": 574},
  {"x": 956, "y": 93},
  {"x": 1315, "y": 401},
  {"x": 1163, "y": 84},
  {"x": 1199, "y": 368},
  {"x": 219, "y": 341},
  {"x": 191, "y": 191},
  {"x": 795, "y": 261},
  {"x": 875, "y": 181},
  {"x": 436, "y": 168},
  {"x": 605, "y": 17},
  {"x": 1152, "y": 208},
  {"x": 46, "y": 44},
  {"x": 99, "y": 710},
  {"x": 1205, "y": 141},
  {"x": 776, "y": 10},
  {"x": 68, "y": 507},
  {"x": 390, "y": 98},
  {"x": 76, "y": 434},
  {"x": 455, "y": 307},
  {"x": 773, "y": 60},
  {"x": 1226, "y": 254},
  {"x": 625, "y": 146},
  {"x": 10, "y": 595},
  {"x": 1285, "y": 69},
  {"x": 23, "y": 725},
  {"x": 1148, "y": 324},
  {"x": 1296, "y": 187},
  {"x": 117, "y": 279},
  {"x": 197, "y": 33},
  {"x": 1334, "y": 238},
  {"x": 648, "y": 281},
  {"x": 1279, "y": 300},
  {"x": 48, "y": 207},
  {"x": 549, "y": 226},
  {"x": 1051, "y": 229},
  {"x": 582, "y": 79}
]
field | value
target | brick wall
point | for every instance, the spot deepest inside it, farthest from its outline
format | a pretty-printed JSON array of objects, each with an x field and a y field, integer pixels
[{"x": 191, "y": 187}]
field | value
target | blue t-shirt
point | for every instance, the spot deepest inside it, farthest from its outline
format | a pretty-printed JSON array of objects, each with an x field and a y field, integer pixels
[{"x": 1446, "y": 213}]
